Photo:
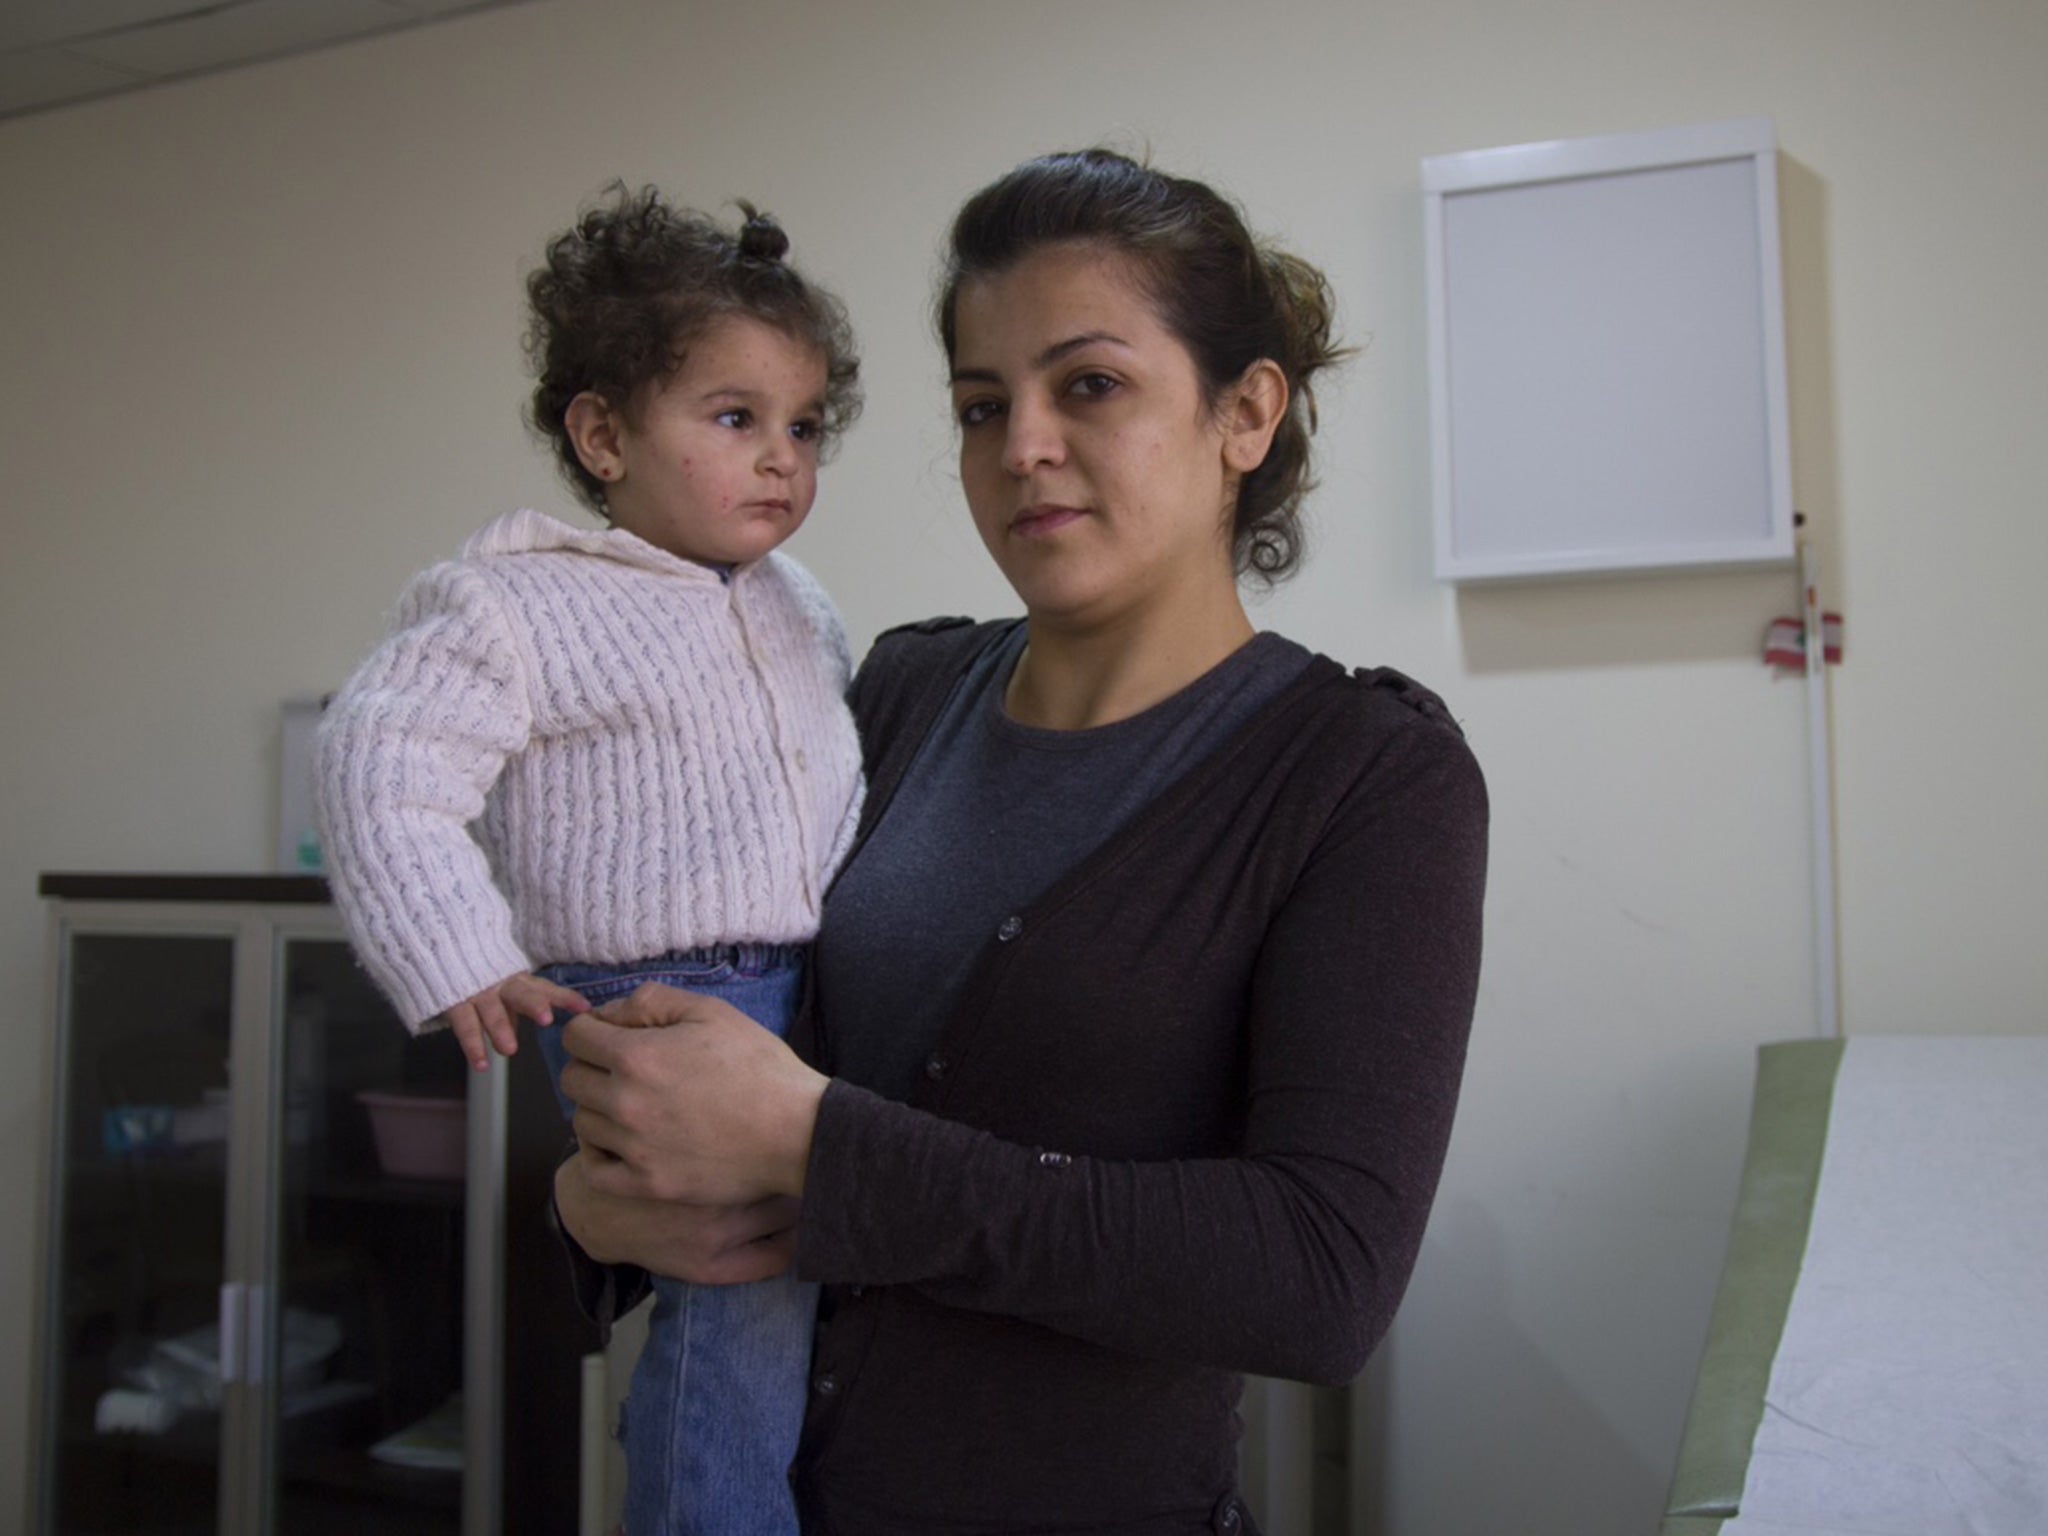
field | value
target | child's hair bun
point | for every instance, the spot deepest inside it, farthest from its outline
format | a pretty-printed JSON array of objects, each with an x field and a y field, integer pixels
[{"x": 761, "y": 238}]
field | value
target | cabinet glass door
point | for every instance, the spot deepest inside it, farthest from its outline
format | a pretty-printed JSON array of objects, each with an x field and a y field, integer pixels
[
  {"x": 367, "y": 1345},
  {"x": 140, "y": 1198}
]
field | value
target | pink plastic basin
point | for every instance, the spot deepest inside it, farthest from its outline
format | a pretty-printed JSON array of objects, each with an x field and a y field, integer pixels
[{"x": 418, "y": 1137}]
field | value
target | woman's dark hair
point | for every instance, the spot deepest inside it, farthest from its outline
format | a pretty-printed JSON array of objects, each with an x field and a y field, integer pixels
[
  {"x": 1229, "y": 297},
  {"x": 622, "y": 295}
]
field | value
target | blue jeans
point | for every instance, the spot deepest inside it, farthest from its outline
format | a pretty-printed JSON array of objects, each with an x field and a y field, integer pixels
[{"x": 710, "y": 1423}]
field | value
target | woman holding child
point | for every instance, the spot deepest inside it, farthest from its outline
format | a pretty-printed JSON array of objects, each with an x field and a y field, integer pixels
[{"x": 1139, "y": 1006}]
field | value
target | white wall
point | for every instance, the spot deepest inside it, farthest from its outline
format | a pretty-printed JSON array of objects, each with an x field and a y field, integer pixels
[{"x": 260, "y": 361}]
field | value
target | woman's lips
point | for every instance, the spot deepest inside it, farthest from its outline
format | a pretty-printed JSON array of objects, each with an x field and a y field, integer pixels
[{"x": 1036, "y": 522}]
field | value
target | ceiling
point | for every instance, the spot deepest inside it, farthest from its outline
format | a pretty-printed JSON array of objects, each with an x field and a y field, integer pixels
[{"x": 53, "y": 52}]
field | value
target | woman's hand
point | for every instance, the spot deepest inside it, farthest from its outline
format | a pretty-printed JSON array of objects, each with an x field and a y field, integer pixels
[
  {"x": 706, "y": 1244},
  {"x": 708, "y": 1108}
]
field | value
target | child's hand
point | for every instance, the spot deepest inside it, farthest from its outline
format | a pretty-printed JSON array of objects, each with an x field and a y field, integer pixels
[{"x": 495, "y": 1012}]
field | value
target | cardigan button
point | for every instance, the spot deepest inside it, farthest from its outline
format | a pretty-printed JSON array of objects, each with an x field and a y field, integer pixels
[
  {"x": 1053, "y": 1159},
  {"x": 1010, "y": 927},
  {"x": 827, "y": 1385},
  {"x": 935, "y": 1066}
]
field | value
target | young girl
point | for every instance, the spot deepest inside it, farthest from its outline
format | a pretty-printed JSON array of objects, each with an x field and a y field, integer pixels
[{"x": 644, "y": 727}]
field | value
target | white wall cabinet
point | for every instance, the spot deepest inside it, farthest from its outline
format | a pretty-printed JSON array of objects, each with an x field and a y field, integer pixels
[
  {"x": 251, "y": 1323},
  {"x": 1607, "y": 355}
]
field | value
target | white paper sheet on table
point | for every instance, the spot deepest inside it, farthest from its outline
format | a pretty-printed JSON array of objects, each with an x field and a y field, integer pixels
[{"x": 1909, "y": 1394}]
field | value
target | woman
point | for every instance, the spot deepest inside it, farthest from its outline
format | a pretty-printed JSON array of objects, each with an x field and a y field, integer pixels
[{"x": 1145, "y": 991}]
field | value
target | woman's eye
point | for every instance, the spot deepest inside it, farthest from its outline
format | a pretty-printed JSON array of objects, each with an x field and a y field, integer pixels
[
  {"x": 975, "y": 412},
  {"x": 1093, "y": 386}
]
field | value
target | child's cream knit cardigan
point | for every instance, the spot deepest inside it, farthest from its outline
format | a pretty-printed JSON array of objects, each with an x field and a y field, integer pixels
[{"x": 653, "y": 758}]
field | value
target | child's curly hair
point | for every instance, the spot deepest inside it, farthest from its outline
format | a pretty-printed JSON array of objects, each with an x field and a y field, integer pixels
[{"x": 623, "y": 294}]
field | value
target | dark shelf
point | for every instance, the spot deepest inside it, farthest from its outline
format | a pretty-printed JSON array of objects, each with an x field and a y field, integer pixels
[
  {"x": 193, "y": 1441},
  {"x": 386, "y": 1189},
  {"x": 310, "y": 890},
  {"x": 352, "y": 1471},
  {"x": 330, "y": 1469},
  {"x": 206, "y": 1165}
]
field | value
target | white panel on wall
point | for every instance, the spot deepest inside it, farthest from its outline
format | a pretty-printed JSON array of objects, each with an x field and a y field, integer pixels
[{"x": 1607, "y": 354}]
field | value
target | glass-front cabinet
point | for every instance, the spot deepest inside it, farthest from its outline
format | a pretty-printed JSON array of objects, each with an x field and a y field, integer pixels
[{"x": 274, "y": 1295}]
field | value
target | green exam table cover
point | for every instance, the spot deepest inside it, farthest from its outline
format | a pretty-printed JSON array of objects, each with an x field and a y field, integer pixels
[{"x": 1788, "y": 1131}]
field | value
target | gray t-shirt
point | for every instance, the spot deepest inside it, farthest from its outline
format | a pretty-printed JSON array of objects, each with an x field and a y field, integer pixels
[{"x": 989, "y": 816}]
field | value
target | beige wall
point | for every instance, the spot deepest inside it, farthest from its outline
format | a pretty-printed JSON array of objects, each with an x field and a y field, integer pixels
[{"x": 260, "y": 361}]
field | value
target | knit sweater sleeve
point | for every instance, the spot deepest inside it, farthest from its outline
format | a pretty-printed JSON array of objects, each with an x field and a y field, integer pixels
[
  {"x": 408, "y": 750},
  {"x": 1286, "y": 1259}
]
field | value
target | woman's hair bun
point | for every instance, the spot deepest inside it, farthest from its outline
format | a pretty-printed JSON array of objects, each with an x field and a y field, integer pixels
[{"x": 761, "y": 238}]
